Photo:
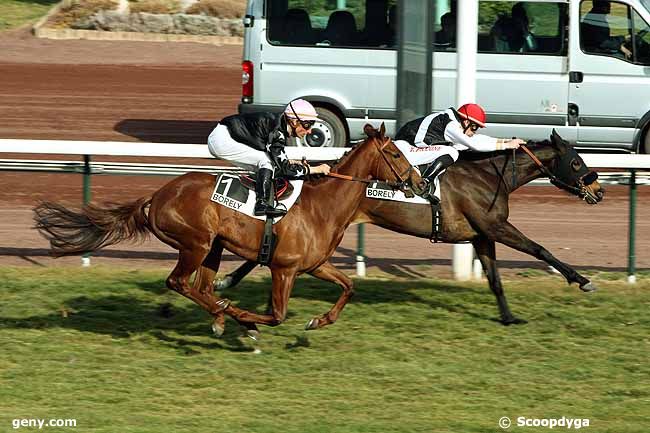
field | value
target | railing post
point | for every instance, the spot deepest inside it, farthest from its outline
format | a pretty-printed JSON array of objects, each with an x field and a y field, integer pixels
[
  {"x": 631, "y": 257},
  {"x": 361, "y": 259},
  {"x": 85, "y": 259},
  {"x": 467, "y": 42}
]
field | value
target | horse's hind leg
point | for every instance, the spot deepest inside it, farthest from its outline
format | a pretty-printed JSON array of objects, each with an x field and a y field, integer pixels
[
  {"x": 204, "y": 284},
  {"x": 508, "y": 234},
  {"x": 487, "y": 255},
  {"x": 189, "y": 261},
  {"x": 328, "y": 272},
  {"x": 283, "y": 280}
]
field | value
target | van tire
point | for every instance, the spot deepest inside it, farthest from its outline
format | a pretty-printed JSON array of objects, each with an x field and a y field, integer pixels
[
  {"x": 328, "y": 131},
  {"x": 645, "y": 146}
]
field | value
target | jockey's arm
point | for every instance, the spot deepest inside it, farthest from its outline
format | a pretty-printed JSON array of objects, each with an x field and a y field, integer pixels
[
  {"x": 478, "y": 142},
  {"x": 284, "y": 166}
]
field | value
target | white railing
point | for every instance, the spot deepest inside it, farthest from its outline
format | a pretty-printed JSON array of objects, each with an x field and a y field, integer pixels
[{"x": 630, "y": 162}]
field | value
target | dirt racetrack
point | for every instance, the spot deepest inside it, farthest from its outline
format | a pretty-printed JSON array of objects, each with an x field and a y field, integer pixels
[{"x": 175, "y": 92}]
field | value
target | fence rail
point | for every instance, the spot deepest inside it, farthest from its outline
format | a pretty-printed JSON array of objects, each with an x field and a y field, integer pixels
[
  {"x": 146, "y": 169},
  {"x": 633, "y": 165}
]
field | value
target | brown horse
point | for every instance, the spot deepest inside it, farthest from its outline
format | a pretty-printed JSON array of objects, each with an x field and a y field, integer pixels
[
  {"x": 181, "y": 215},
  {"x": 475, "y": 209}
]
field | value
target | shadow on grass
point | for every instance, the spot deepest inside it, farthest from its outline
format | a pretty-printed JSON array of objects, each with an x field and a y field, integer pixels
[
  {"x": 127, "y": 316},
  {"x": 124, "y": 316},
  {"x": 38, "y": 2}
]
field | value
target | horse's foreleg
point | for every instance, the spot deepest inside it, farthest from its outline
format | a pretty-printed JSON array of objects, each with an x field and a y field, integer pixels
[
  {"x": 233, "y": 278},
  {"x": 487, "y": 255},
  {"x": 283, "y": 281},
  {"x": 508, "y": 234},
  {"x": 328, "y": 272}
]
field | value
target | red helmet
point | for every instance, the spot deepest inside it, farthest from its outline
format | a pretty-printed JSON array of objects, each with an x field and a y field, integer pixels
[{"x": 473, "y": 113}]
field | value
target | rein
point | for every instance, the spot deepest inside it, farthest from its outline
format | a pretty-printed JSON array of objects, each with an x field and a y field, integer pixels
[
  {"x": 554, "y": 179},
  {"x": 402, "y": 184},
  {"x": 351, "y": 178}
]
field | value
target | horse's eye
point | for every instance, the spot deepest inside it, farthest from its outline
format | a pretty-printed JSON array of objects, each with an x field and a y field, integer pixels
[
  {"x": 397, "y": 155},
  {"x": 576, "y": 164}
]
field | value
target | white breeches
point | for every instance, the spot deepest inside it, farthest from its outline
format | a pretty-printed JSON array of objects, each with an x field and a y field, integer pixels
[
  {"x": 223, "y": 146},
  {"x": 425, "y": 155}
]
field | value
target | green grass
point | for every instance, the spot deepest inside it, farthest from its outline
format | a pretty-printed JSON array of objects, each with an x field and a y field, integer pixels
[
  {"x": 406, "y": 356},
  {"x": 15, "y": 13}
]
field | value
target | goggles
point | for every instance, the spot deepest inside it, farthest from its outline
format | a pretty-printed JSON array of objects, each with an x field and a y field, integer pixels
[{"x": 306, "y": 124}]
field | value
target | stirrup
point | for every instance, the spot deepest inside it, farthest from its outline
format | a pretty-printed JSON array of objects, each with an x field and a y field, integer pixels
[
  {"x": 430, "y": 192},
  {"x": 260, "y": 208},
  {"x": 275, "y": 212}
]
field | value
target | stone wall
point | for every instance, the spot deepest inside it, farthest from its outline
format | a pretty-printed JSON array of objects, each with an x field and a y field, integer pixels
[{"x": 158, "y": 23}]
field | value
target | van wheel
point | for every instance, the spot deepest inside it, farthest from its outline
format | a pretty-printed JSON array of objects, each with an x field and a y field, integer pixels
[
  {"x": 645, "y": 147},
  {"x": 328, "y": 131}
]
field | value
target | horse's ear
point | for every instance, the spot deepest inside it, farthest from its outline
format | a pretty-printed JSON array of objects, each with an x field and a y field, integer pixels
[
  {"x": 558, "y": 142},
  {"x": 369, "y": 130},
  {"x": 382, "y": 130}
]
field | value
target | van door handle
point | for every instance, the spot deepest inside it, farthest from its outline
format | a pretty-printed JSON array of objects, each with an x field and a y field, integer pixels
[{"x": 575, "y": 77}]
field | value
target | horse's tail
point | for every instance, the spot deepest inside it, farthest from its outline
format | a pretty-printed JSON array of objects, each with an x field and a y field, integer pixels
[{"x": 92, "y": 228}]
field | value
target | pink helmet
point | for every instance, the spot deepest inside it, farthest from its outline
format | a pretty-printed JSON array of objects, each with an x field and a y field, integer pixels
[{"x": 300, "y": 109}]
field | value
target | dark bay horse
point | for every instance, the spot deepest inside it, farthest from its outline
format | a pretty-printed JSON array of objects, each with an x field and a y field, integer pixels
[
  {"x": 182, "y": 215},
  {"x": 475, "y": 209}
]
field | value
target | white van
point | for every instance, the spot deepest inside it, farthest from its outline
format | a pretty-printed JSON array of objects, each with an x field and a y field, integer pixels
[{"x": 581, "y": 67}]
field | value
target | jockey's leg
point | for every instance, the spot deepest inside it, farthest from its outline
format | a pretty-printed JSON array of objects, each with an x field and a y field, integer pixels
[
  {"x": 438, "y": 157},
  {"x": 264, "y": 190},
  {"x": 223, "y": 146},
  {"x": 429, "y": 175}
]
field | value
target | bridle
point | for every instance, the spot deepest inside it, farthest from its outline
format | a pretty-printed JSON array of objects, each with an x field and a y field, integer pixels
[
  {"x": 403, "y": 178},
  {"x": 581, "y": 190}
]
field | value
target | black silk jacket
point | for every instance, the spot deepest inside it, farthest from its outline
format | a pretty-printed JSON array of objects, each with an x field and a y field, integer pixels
[{"x": 265, "y": 132}]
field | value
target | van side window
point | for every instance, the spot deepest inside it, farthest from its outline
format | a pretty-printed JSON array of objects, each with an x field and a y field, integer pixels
[
  {"x": 361, "y": 24},
  {"x": 605, "y": 27},
  {"x": 609, "y": 28},
  {"x": 640, "y": 41},
  {"x": 522, "y": 28}
]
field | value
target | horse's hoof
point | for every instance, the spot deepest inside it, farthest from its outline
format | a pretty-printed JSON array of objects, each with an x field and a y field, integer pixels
[
  {"x": 224, "y": 284},
  {"x": 253, "y": 334},
  {"x": 222, "y": 304},
  {"x": 312, "y": 324},
  {"x": 513, "y": 321},
  {"x": 589, "y": 287},
  {"x": 217, "y": 328}
]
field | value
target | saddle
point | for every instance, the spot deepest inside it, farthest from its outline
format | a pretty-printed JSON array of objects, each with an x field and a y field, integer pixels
[{"x": 282, "y": 187}]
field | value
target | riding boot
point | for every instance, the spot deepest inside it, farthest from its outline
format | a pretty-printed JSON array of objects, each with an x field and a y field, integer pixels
[
  {"x": 430, "y": 174},
  {"x": 263, "y": 190}
]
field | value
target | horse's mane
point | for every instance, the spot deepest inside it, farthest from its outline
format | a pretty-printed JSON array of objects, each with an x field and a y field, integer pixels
[
  {"x": 334, "y": 164},
  {"x": 371, "y": 133}
]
